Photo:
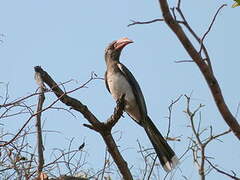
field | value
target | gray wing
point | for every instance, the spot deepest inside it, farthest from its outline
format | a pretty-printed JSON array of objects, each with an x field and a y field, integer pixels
[
  {"x": 135, "y": 88},
  {"x": 106, "y": 83}
]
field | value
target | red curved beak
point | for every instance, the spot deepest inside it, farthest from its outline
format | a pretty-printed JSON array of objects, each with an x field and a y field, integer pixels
[{"x": 121, "y": 43}]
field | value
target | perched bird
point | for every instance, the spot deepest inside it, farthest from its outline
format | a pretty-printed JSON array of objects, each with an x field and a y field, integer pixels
[{"x": 120, "y": 81}]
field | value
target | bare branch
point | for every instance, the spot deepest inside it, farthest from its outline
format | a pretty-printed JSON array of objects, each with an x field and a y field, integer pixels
[
  {"x": 222, "y": 172},
  {"x": 170, "y": 107},
  {"x": 144, "y": 22},
  {"x": 178, "y": 3},
  {"x": 148, "y": 22},
  {"x": 238, "y": 107},
  {"x": 151, "y": 169},
  {"x": 205, "y": 68},
  {"x": 105, "y": 165},
  {"x": 210, "y": 27},
  {"x": 144, "y": 158},
  {"x": 29, "y": 119},
  {"x": 118, "y": 111},
  {"x": 183, "y": 61},
  {"x": 100, "y": 127},
  {"x": 186, "y": 24},
  {"x": 198, "y": 144},
  {"x": 41, "y": 99},
  {"x": 212, "y": 137}
]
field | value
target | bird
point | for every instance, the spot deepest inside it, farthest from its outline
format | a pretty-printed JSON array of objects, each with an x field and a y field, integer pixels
[{"x": 120, "y": 82}]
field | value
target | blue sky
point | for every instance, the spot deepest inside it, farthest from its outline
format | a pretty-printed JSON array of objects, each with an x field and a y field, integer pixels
[{"x": 68, "y": 38}]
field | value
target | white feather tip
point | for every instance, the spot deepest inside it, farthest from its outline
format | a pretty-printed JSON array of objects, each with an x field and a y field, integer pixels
[{"x": 170, "y": 165}]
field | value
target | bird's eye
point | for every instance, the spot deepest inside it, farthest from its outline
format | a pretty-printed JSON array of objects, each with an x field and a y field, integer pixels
[
  {"x": 110, "y": 48},
  {"x": 113, "y": 46}
]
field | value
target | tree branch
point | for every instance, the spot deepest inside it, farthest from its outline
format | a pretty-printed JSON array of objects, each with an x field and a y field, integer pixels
[
  {"x": 103, "y": 128},
  {"x": 147, "y": 22},
  {"x": 41, "y": 99},
  {"x": 207, "y": 58},
  {"x": 118, "y": 111},
  {"x": 210, "y": 27},
  {"x": 204, "y": 68},
  {"x": 222, "y": 172},
  {"x": 144, "y": 22},
  {"x": 199, "y": 144},
  {"x": 169, "y": 117}
]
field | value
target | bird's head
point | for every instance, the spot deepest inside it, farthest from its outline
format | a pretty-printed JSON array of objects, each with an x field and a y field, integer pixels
[{"x": 114, "y": 49}]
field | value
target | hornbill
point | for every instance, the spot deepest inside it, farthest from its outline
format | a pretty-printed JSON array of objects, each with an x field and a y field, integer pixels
[{"x": 120, "y": 81}]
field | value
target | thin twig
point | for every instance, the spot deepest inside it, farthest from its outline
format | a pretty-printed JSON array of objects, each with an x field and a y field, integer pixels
[
  {"x": 212, "y": 137},
  {"x": 222, "y": 172},
  {"x": 105, "y": 165},
  {"x": 144, "y": 158},
  {"x": 190, "y": 29},
  {"x": 170, "y": 107},
  {"x": 144, "y": 22},
  {"x": 148, "y": 22},
  {"x": 238, "y": 107},
  {"x": 151, "y": 169},
  {"x": 183, "y": 61},
  {"x": 199, "y": 143},
  {"x": 25, "y": 124},
  {"x": 210, "y": 27}
]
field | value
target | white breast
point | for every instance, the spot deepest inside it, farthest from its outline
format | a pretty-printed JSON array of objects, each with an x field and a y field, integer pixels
[{"x": 118, "y": 86}]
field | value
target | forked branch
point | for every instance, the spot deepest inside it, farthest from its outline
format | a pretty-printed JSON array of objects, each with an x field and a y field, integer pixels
[
  {"x": 103, "y": 128},
  {"x": 203, "y": 66}
]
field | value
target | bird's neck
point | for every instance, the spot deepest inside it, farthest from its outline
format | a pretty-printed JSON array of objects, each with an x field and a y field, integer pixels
[{"x": 111, "y": 60}]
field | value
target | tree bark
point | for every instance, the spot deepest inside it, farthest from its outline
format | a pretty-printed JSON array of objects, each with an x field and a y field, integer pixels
[
  {"x": 103, "y": 128},
  {"x": 204, "y": 68}
]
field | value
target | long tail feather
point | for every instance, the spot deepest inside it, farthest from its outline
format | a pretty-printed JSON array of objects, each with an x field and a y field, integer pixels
[{"x": 164, "y": 152}]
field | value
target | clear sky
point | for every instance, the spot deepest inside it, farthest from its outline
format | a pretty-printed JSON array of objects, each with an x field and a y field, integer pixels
[{"x": 68, "y": 38}]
